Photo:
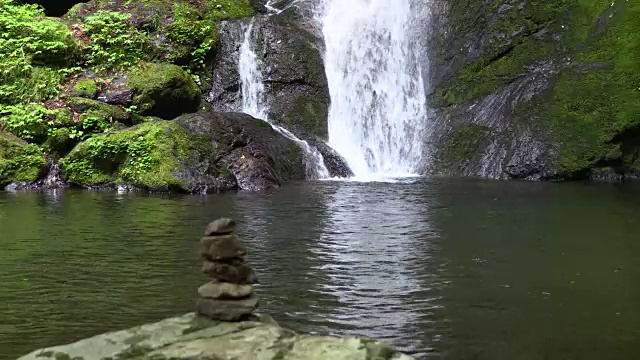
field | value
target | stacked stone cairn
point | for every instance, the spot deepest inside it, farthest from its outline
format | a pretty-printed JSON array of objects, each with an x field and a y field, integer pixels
[{"x": 229, "y": 295}]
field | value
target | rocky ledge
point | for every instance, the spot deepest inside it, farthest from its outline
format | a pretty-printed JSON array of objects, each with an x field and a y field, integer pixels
[{"x": 196, "y": 338}]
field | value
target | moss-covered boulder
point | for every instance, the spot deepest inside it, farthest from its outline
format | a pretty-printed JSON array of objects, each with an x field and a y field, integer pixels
[
  {"x": 195, "y": 338},
  {"x": 19, "y": 161},
  {"x": 163, "y": 90},
  {"x": 555, "y": 83},
  {"x": 144, "y": 155},
  {"x": 198, "y": 153}
]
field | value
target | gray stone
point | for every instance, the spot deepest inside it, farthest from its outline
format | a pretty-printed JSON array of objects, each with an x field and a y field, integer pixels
[
  {"x": 227, "y": 310},
  {"x": 222, "y": 226},
  {"x": 221, "y": 247},
  {"x": 221, "y": 290},
  {"x": 234, "y": 272}
]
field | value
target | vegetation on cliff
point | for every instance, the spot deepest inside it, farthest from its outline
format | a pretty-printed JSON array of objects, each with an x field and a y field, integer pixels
[
  {"x": 105, "y": 65},
  {"x": 590, "y": 109}
]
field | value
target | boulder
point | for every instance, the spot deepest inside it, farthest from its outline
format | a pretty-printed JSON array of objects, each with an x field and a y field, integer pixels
[
  {"x": 256, "y": 156},
  {"x": 196, "y": 338},
  {"x": 163, "y": 90},
  {"x": 19, "y": 161},
  {"x": 196, "y": 153},
  {"x": 292, "y": 69}
]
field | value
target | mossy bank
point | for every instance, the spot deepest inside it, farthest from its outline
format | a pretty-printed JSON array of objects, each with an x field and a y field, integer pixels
[
  {"x": 554, "y": 84},
  {"x": 72, "y": 85}
]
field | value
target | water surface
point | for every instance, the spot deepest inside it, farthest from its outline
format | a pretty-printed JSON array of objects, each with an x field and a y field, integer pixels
[{"x": 445, "y": 269}]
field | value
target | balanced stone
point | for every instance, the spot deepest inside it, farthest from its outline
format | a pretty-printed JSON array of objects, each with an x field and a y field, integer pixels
[
  {"x": 221, "y": 290},
  {"x": 221, "y": 247},
  {"x": 227, "y": 310},
  {"x": 222, "y": 226},
  {"x": 234, "y": 271}
]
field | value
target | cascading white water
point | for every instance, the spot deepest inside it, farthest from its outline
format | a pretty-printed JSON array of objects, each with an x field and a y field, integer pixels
[
  {"x": 378, "y": 102},
  {"x": 254, "y": 104}
]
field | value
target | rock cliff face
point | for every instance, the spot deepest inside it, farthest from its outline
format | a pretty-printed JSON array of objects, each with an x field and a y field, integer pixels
[
  {"x": 195, "y": 338},
  {"x": 535, "y": 89},
  {"x": 294, "y": 78}
]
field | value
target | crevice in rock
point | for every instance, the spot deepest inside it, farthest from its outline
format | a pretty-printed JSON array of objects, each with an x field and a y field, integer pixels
[{"x": 55, "y": 8}]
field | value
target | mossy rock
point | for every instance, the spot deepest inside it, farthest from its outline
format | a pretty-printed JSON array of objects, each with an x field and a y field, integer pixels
[
  {"x": 89, "y": 108},
  {"x": 163, "y": 90},
  {"x": 86, "y": 88},
  {"x": 145, "y": 156},
  {"x": 19, "y": 161}
]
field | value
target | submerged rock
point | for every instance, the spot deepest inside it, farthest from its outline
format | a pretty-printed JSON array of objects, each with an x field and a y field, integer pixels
[{"x": 196, "y": 338}]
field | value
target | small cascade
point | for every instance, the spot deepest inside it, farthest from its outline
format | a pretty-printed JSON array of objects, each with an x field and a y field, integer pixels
[
  {"x": 378, "y": 117},
  {"x": 253, "y": 103}
]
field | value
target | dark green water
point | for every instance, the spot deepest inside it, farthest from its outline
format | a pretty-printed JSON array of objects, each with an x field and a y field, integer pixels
[{"x": 443, "y": 269}]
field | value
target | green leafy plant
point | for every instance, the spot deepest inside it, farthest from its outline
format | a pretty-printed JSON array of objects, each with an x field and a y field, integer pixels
[
  {"x": 28, "y": 122},
  {"x": 190, "y": 31},
  {"x": 33, "y": 51},
  {"x": 115, "y": 43}
]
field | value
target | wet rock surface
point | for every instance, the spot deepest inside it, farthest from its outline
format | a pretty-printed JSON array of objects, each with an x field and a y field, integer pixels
[
  {"x": 255, "y": 156},
  {"x": 293, "y": 72},
  {"x": 532, "y": 75}
]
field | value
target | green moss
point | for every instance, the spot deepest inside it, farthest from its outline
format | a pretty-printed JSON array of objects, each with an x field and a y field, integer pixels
[
  {"x": 463, "y": 146},
  {"x": 511, "y": 50},
  {"x": 115, "y": 42},
  {"x": 98, "y": 112},
  {"x": 310, "y": 115},
  {"x": 591, "y": 109},
  {"x": 86, "y": 88},
  {"x": 19, "y": 161},
  {"x": 191, "y": 36},
  {"x": 144, "y": 155},
  {"x": 228, "y": 9},
  {"x": 163, "y": 90},
  {"x": 596, "y": 105}
]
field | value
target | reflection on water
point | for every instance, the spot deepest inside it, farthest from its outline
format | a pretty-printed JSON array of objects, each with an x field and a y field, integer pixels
[
  {"x": 372, "y": 246},
  {"x": 446, "y": 269}
]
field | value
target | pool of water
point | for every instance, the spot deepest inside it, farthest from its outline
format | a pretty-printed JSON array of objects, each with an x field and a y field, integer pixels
[{"x": 443, "y": 269}]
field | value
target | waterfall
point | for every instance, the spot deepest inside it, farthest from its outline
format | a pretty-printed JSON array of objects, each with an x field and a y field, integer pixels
[
  {"x": 254, "y": 104},
  {"x": 378, "y": 112}
]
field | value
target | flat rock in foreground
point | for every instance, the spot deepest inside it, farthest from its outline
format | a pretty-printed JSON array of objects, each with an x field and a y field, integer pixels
[{"x": 194, "y": 338}]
